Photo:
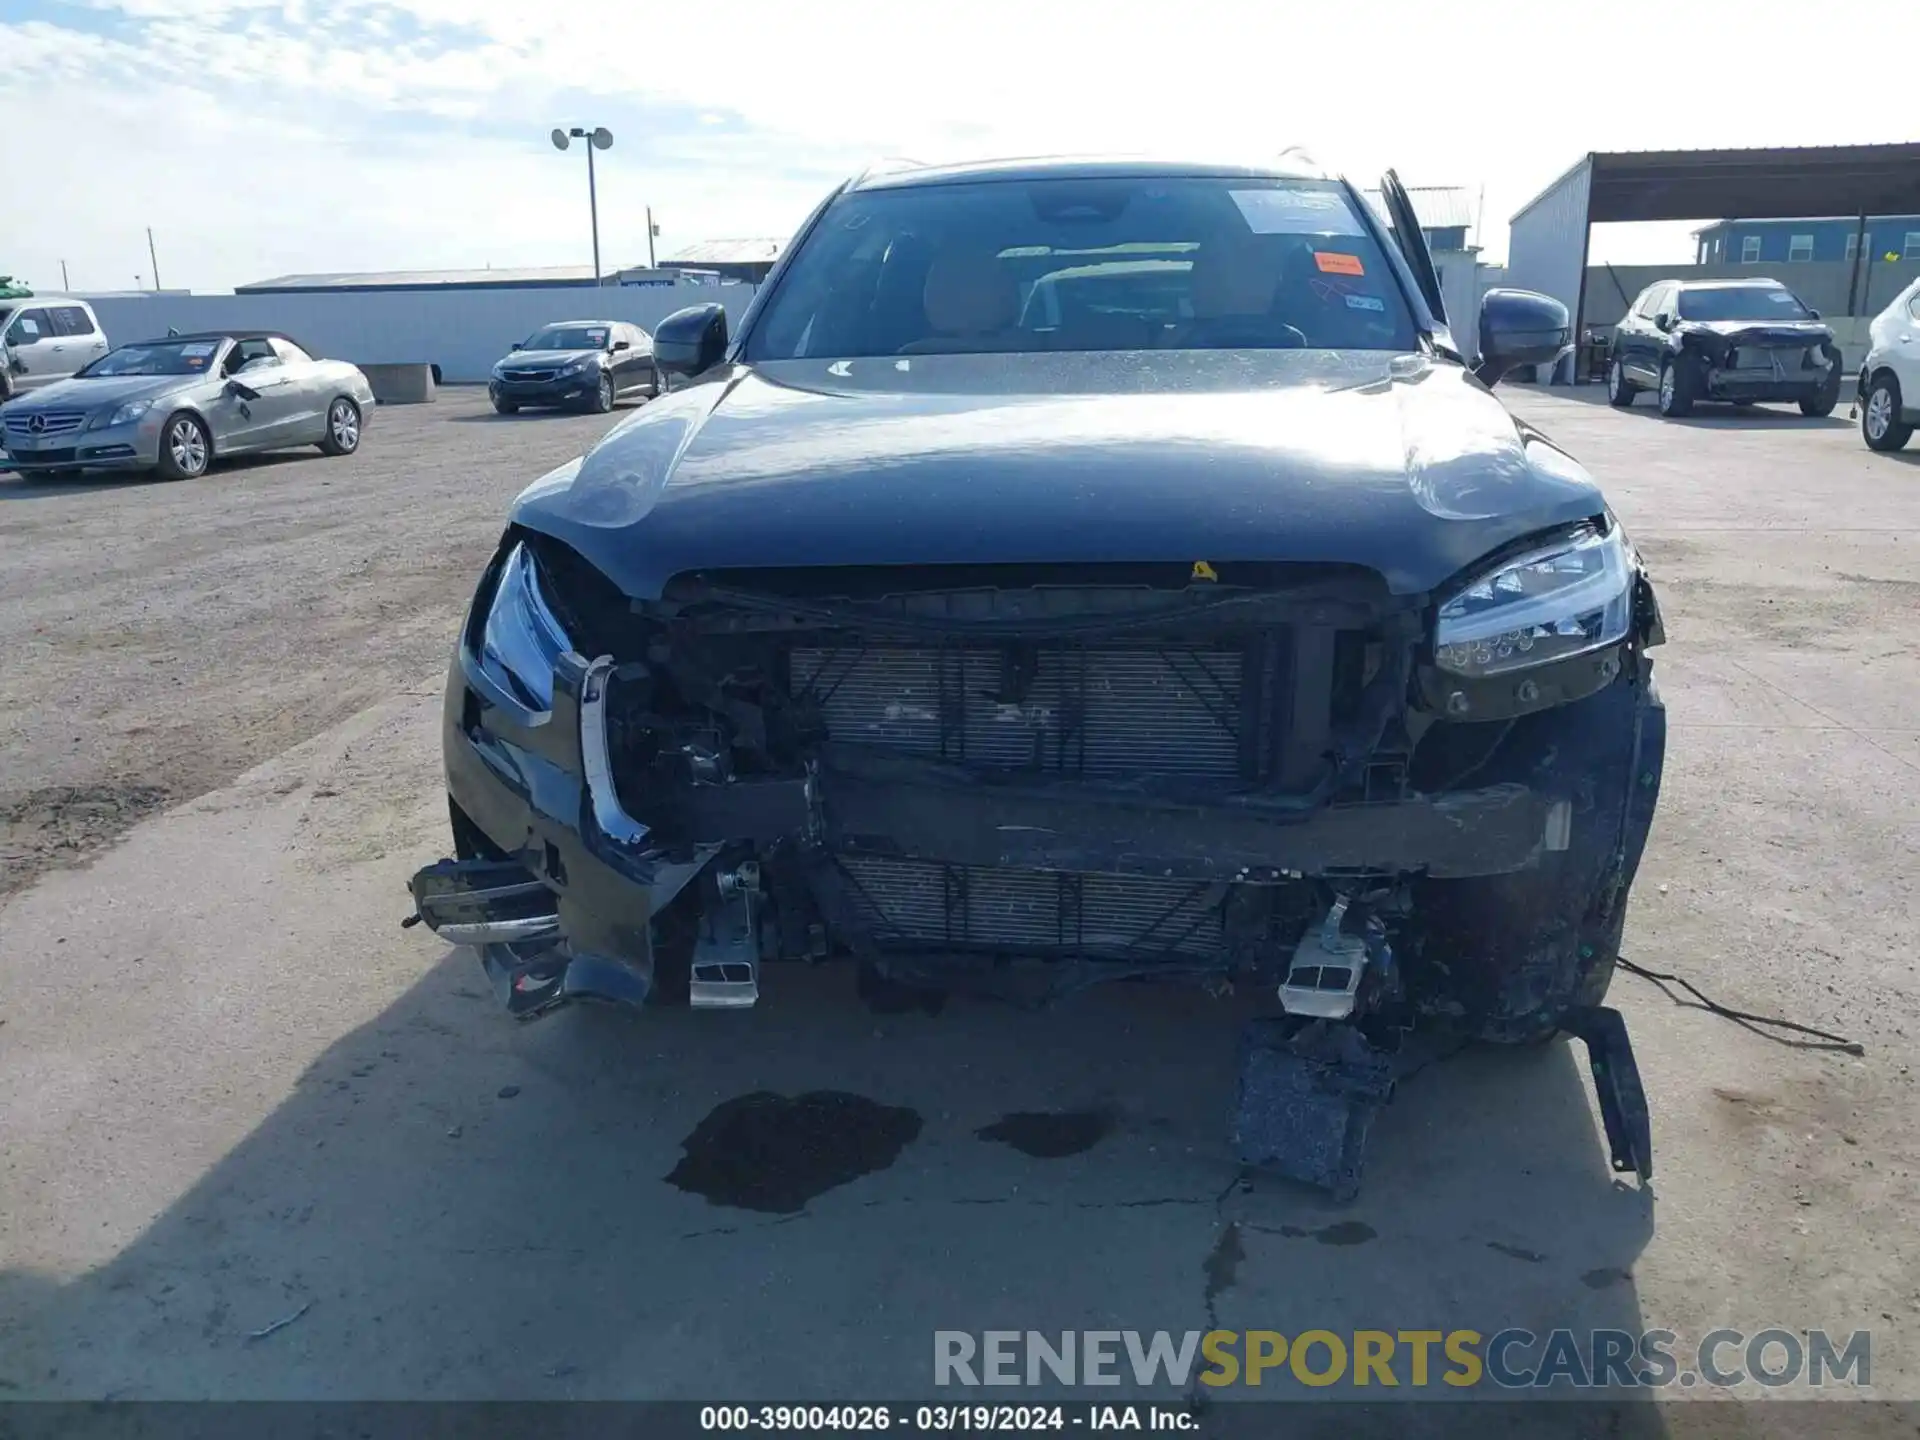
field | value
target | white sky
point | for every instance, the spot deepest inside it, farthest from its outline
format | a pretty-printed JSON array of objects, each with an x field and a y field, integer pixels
[{"x": 261, "y": 137}]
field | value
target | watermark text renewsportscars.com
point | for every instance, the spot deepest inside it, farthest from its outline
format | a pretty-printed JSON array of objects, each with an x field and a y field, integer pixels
[{"x": 1511, "y": 1359}]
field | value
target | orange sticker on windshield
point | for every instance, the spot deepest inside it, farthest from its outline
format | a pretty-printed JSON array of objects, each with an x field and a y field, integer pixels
[{"x": 1336, "y": 263}]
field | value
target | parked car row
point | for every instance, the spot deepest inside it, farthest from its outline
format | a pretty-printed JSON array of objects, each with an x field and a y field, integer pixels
[
  {"x": 1752, "y": 341},
  {"x": 69, "y": 403}
]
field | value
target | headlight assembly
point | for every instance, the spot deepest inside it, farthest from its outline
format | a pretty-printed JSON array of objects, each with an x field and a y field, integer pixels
[
  {"x": 124, "y": 415},
  {"x": 1564, "y": 599},
  {"x": 521, "y": 639},
  {"x": 580, "y": 367}
]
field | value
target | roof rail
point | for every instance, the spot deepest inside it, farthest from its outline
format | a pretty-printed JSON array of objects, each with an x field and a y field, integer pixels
[{"x": 889, "y": 165}]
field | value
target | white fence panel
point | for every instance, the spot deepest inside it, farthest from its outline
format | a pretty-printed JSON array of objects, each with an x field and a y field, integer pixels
[{"x": 461, "y": 331}]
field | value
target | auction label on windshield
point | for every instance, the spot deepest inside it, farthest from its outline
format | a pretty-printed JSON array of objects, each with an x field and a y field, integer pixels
[
  {"x": 1283, "y": 211},
  {"x": 1338, "y": 262}
]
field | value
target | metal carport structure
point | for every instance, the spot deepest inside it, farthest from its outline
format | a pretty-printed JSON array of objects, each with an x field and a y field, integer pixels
[{"x": 1547, "y": 247}]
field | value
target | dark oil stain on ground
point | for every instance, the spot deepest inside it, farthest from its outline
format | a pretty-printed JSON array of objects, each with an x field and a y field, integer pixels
[
  {"x": 1050, "y": 1135},
  {"x": 1532, "y": 1257},
  {"x": 1346, "y": 1232},
  {"x": 884, "y": 996},
  {"x": 1222, "y": 1265},
  {"x": 1343, "y": 1232},
  {"x": 774, "y": 1153}
]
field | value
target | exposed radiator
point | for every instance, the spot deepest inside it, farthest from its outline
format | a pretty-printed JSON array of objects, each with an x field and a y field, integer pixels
[
  {"x": 923, "y": 902},
  {"x": 1093, "y": 711}
]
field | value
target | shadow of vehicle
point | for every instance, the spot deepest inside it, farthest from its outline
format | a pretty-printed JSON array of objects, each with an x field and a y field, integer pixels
[
  {"x": 15, "y": 486},
  {"x": 1707, "y": 414},
  {"x": 450, "y": 1205},
  {"x": 554, "y": 412}
]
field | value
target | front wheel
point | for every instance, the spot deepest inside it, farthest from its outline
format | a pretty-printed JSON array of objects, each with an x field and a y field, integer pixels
[
  {"x": 343, "y": 428},
  {"x": 1678, "y": 387},
  {"x": 185, "y": 448},
  {"x": 602, "y": 401},
  {"x": 1880, "y": 423},
  {"x": 1821, "y": 403},
  {"x": 1620, "y": 390}
]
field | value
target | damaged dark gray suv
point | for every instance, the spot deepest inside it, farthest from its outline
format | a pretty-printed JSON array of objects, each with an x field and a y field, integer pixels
[{"x": 1071, "y": 572}]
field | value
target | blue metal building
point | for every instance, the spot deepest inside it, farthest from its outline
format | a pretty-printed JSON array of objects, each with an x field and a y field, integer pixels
[{"x": 1773, "y": 242}]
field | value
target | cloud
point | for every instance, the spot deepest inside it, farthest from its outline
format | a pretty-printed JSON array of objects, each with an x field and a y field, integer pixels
[{"x": 265, "y": 136}]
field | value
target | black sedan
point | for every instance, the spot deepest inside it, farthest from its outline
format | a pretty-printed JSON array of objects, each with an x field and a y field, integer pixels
[
  {"x": 581, "y": 364},
  {"x": 1078, "y": 572},
  {"x": 1744, "y": 341}
]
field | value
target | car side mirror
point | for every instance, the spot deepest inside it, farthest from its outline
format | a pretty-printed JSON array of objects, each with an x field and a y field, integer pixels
[
  {"x": 1663, "y": 322},
  {"x": 623, "y": 344},
  {"x": 513, "y": 345},
  {"x": 1813, "y": 312},
  {"x": 692, "y": 340},
  {"x": 239, "y": 391},
  {"x": 1520, "y": 327}
]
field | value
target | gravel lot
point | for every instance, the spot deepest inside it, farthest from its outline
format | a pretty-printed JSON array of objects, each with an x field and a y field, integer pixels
[
  {"x": 163, "y": 638},
  {"x": 236, "y": 1089}
]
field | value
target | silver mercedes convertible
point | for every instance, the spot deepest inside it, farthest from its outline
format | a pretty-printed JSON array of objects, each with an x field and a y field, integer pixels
[{"x": 174, "y": 406}]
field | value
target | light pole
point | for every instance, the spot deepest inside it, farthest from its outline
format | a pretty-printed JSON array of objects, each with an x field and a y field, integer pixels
[{"x": 599, "y": 138}]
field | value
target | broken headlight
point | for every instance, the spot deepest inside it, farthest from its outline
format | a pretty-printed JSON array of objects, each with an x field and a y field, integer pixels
[
  {"x": 521, "y": 639},
  {"x": 1561, "y": 600}
]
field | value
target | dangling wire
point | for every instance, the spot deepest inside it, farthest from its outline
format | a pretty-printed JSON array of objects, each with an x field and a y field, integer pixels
[{"x": 1753, "y": 1022}]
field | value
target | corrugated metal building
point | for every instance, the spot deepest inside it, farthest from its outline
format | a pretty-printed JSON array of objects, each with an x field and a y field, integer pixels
[
  {"x": 1547, "y": 249},
  {"x": 527, "y": 277},
  {"x": 1448, "y": 214},
  {"x": 748, "y": 260}
]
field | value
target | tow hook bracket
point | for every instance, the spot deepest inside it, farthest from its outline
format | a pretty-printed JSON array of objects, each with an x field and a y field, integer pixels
[
  {"x": 726, "y": 958},
  {"x": 1307, "y": 1098},
  {"x": 1616, "y": 1081}
]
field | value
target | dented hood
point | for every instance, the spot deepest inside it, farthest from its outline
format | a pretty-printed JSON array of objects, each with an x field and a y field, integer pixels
[{"x": 1394, "y": 462}]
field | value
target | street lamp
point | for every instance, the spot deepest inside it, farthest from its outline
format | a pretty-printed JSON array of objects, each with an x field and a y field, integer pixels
[{"x": 599, "y": 138}]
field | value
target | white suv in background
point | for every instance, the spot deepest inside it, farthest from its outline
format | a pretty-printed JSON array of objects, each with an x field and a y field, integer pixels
[
  {"x": 44, "y": 339},
  {"x": 1890, "y": 377}
]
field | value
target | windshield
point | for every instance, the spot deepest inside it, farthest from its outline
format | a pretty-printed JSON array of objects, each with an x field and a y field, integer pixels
[
  {"x": 1741, "y": 302},
  {"x": 1104, "y": 263},
  {"x": 568, "y": 337},
  {"x": 160, "y": 357}
]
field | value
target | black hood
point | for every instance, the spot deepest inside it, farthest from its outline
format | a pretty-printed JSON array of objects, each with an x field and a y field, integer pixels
[{"x": 1394, "y": 462}]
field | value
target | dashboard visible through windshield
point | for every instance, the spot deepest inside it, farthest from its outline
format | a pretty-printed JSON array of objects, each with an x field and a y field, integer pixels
[
  {"x": 572, "y": 337},
  {"x": 184, "y": 357},
  {"x": 1086, "y": 263}
]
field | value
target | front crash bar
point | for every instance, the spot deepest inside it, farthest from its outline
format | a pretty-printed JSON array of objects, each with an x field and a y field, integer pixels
[{"x": 1616, "y": 1081}]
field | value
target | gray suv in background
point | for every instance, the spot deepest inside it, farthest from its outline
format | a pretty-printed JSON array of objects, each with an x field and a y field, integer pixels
[{"x": 44, "y": 339}]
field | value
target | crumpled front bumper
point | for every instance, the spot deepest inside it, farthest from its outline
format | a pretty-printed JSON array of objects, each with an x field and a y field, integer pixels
[
  {"x": 564, "y": 904},
  {"x": 567, "y": 910}
]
